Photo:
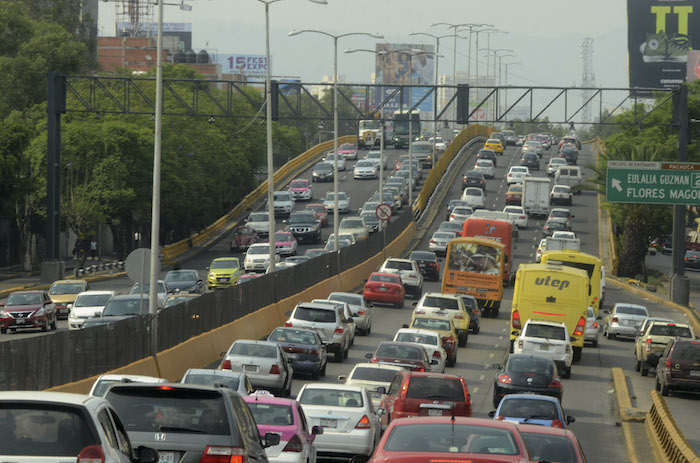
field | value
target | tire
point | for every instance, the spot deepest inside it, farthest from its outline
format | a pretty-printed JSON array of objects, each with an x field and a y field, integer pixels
[
  {"x": 578, "y": 352},
  {"x": 477, "y": 329},
  {"x": 53, "y": 324},
  {"x": 45, "y": 327},
  {"x": 637, "y": 364},
  {"x": 369, "y": 329},
  {"x": 496, "y": 400},
  {"x": 594, "y": 343},
  {"x": 644, "y": 370},
  {"x": 3, "y": 330},
  {"x": 399, "y": 305},
  {"x": 352, "y": 341},
  {"x": 512, "y": 344},
  {"x": 462, "y": 339},
  {"x": 288, "y": 390},
  {"x": 566, "y": 374},
  {"x": 451, "y": 362},
  {"x": 665, "y": 390},
  {"x": 338, "y": 356},
  {"x": 610, "y": 335},
  {"x": 323, "y": 370}
]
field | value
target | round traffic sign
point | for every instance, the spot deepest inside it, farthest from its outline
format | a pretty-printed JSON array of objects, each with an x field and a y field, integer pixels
[
  {"x": 383, "y": 212},
  {"x": 138, "y": 264}
]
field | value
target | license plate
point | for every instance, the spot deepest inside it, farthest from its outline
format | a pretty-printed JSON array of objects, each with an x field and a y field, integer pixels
[
  {"x": 166, "y": 457},
  {"x": 434, "y": 412},
  {"x": 252, "y": 368},
  {"x": 694, "y": 372},
  {"x": 544, "y": 347},
  {"x": 292, "y": 356},
  {"x": 328, "y": 423},
  {"x": 20, "y": 321},
  {"x": 222, "y": 279},
  {"x": 382, "y": 289}
]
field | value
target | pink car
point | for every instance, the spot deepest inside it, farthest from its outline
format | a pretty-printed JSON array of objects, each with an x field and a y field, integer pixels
[
  {"x": 301, "y": 189},
  {"x": 348, "y": 150},
  {"x": 246, "y": 277},
  {"x": 285, "y": 243},
  {"x": 286, "y": 418},
  {"x": 320, "y": 211}
]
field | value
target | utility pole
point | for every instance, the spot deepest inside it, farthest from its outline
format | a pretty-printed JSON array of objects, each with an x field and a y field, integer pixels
[{"x": 680, "y": 285}]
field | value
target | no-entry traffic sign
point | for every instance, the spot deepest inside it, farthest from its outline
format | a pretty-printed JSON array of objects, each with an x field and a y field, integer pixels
[{"x": 383, "y": 212}]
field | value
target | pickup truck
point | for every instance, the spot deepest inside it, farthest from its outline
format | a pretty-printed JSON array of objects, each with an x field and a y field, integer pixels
[{"x": 651, "y": 344}]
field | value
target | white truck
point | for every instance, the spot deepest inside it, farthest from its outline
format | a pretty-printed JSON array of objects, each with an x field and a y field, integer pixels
[
  {"x": 368, "y": 133},
  {"x": 558, "y": 244},
  {"x": 535, "y": 199}
]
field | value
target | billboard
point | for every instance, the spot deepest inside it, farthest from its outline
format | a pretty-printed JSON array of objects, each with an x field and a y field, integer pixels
[
  {"x": 659, "y": 38},
  {"x": 253, "y": 67},
  {"x": 396, "y": 68}
]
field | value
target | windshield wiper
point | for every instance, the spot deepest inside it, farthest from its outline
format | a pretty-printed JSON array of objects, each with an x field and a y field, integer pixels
[
  {"x": 538, "y": 417},
  {"x": 176, "y": 429}
]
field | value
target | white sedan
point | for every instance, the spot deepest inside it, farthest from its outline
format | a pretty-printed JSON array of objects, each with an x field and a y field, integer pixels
[
  {"x": 330, "y": 157},
  {"x": 376, "y": 157},
  {"x": 486, "y": 167},
  {"x": 440, "y": 240},
  {"x": 517, "y": 174},
  {"x": 475, "y": 197},
  {"x": 461, "y": 213},
  {"x": 365, "y": 168},
  {"x": 257, "y": 259},
  {"x": 343, "y": 202},
  {"x": 517, "y": 215},
  {"x": 350, "y": 423},
  {"x": 430, "y": 341}
]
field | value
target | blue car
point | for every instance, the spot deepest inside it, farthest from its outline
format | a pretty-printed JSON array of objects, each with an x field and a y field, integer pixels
[
  {"x": 532, "y": 409},
  {"x": 304, "y": 348}
]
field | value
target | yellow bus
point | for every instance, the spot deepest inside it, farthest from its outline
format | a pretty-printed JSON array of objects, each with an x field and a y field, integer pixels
[
  {"x": 474, "y": 266},
  {"x": 591, "y": 264},
  {"x": 551, "y": 292}
]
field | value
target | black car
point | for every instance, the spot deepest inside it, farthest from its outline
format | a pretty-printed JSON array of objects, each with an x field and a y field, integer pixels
[
  {"x": 304, "y": 226},
  {"x": 527, "y": 373},
  {"x": 531, "y": 161},
  {"x": 455, "y": 203},
  {"x": 487, "y": 154},
  {"x": 692, "y": 259},
  {"x": 474, "y": 178},
  {"x": 184, "y": 422},
  {"x": 551, "y": 226},
  {"x": 474, "y": 312},
  {"x": 569, "y": 153},
  {"x": 323, "y": 172},
  {"x": 371, "y": 220},
  {"x": 304, "y": 348},
  {"x": 428, "y": 264},
  {"x": 184, "y": 280}
]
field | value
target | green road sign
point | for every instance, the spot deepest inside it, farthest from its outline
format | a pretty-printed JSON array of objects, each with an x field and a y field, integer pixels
[{"x": 653, "y": 182}]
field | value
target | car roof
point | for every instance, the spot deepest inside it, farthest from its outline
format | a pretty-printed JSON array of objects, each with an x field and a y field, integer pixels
[
  {"x": 416, "y": 331},
  {"x": 31, "y": 291},
  {"x": 458, "y": 420},
  {"x": 269, "y": 399},
  {"x": 256, "y": 341},
  {"x": 122, "y": 297},
  {"x": 47, "y": 396},
  {"x": 70, "y": 281},
  {"x": 432, "y": 374},
  {"x": 381, "y": 366},
  {"x": 212, "y": 372},
  {"x": 440, "y": 295},
  {"x": 97, "y": 292},
  {"x": 316, "y": 305},
  {"x": 627, "y": 304},
  {"x": 336, "y": 386},
  {"x": 135, "y": 378},
  {"x": 538, "y": 429}
]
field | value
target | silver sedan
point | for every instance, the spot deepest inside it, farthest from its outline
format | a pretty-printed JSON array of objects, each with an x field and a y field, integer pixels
[
  {"x": 624, "y": 320},
  {"x": 265, "y": 364}
]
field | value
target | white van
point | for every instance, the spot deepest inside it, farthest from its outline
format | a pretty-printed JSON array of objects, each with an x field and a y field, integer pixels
[{"x": 569, "y": 175}]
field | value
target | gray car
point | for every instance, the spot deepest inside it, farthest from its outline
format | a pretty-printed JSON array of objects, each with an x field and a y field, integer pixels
[
  {"x": 234, "y": 380},
  {"x": 119, "y": 308},
  {"x": 184, "y": 280},
  {"x": 265, "y": 364},
  {"x": 624, "y": 320},
  {"x": 189, "y": 423},
  {"x": 361, "y": 311}
]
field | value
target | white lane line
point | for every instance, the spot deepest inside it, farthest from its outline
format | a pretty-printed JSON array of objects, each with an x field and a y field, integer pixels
[
  {"x": 492, "y": 355},
  {"x": 486, "y": 367},
  {"x": 481, "y": 378},
  {"x": 475, "y": 390},
  {"x": 503, "y": 330},
  {"x": 499, "y": 338},
  {"x": 496, "y": 346},
  {"x": 532, "y": 254}
]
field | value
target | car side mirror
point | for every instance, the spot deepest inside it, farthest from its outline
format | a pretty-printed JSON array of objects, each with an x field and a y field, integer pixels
[
  {"x": 98, "y": 314},
  {"x": 570, "y": 419},
  {"x": 496, "y": 366},
  {"x": 381, "y": 411},
  {"x": 381, "y": 390},
  {"x": 316, "y": 430},
  {"x": 492, "y": 413},
  {"x": 290, "y": 360},
  {"x": 433, "y": 362},
  {"x": 271, "y": 439},
  {"x": 146, "y": 454},
  {"x": 342, "y": 378},
  {"x": 368, "y": 356}
]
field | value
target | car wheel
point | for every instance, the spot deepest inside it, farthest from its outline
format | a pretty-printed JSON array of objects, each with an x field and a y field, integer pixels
[
  {"x": 451, "y": 362},
  {"x": 463, "y": 339},
  {"x": 399, "y": 305},
  {"x": 3, "y": 330},
  {"x": 578, "y": 351},
  {"x": 288, "y": 390},
  {"x": 637, "y": 364},
  {"x": 594, "y": 343},
  {"x": 316, "y": 374},
  {"x": 566, "y": 374},
  {"x": 338, "y": 356},
  {"x": 496, "y": 400},
  {"x": 323, "y": 370},
  {"x": 657, "y": 384},
  {"x": 644, "y": 370},
  {"x": 609, "y": 335},
  {"x": 53, "y": 324},
  {"x": 13, "y": 330},
  {"x": 345, "y": 354}
]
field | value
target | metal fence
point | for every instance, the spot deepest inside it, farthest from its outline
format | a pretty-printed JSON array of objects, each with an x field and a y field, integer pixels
[{"x": 58, "y": 358}]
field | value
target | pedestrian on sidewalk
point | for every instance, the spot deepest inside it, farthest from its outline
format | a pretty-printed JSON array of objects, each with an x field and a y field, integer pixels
[
  {"x": 93, "y": 249},
  {"x": 76, "y": 248}
]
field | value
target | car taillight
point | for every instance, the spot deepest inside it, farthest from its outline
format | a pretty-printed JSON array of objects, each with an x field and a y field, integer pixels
[
  {"x": 420, "y": 370},
  {"x": 648, "y": 345},
  {"x": 361, "y": 312},
  {"x": 294, "y": 445},
  {"x": 615, "y": 320},
  {"x": 364, "y": 423},
  {"x": 668, "y": 363},
  {"x": 595, "y": 325},
  {"x": 515, "y": 322},
  {"x": 504, "y": 379},
  {"x": 218, "y": 454},
  {"x": 555, "y": 383},
  {"x": 520, "y": 344},
  {"x": 437, "y": 354},
  {"x": 435, "y": 265},
  {"x": 91, "y": 454},
  {"x": 557, "y": 424},
  {"x": 275, "y": 369},
  {"x": 433, "y": 242},
  {"x": 226, "y": 365},
  {"x": 580, "y": 327},
  {"x": 288, "y": 324},
  {"x": 338, "y": 331}
]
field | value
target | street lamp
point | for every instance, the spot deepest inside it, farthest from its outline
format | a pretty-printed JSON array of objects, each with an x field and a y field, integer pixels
[
  {"x": 435, "y": 105},
  {"x": 500, "y": 73},
  {"x": 335, "y": 116},
  {"x": 495, "y": 69},
  {"x": 270, "y": 163},
  {"x": 488, "y": 30},
  {"x": 506, "y": 82}
]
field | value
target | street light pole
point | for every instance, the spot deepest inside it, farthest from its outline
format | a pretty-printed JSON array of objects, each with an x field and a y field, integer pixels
[
  {"x": 500, "y": 74},
  {"x": 506, "y": 82},
  {"x": 454, "y": 28}
]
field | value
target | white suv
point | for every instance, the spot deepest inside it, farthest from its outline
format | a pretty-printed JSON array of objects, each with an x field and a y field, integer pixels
[
  {"x": 411, "y": 277},
  {"x": 283, "y": 201},
  {"x": 329, "y": 322},
  {"x": 257, "y": 259},
  {"x": 550, "y": 339}
]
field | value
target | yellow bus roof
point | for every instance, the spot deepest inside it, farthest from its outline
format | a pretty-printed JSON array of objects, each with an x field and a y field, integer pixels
[
  {"x": 549, "y": 267},
  {"x": 484, "y": 241},
  {"x": 571, "y": 255}
]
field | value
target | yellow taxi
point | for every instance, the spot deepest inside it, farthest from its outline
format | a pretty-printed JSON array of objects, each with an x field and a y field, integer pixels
[
  {"x": 443, "y": 326},
  {"x": 63, "y": 294},
  {"x": 223, "y": 272},
  {"x": 451, "y": 305},
  {"x": 494, "y": 144}
]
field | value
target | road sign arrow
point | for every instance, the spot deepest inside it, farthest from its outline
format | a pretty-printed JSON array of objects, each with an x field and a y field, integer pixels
[{"x": 616, "y": 184}]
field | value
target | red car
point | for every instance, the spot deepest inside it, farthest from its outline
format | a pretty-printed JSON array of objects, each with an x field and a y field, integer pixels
[
  {"x": 514, "y": 195},
  {"x": 451, "y": 439},
  {"x": 551, "y": 444},
  {"x": 399, "y": 162},
  {"x": 321, "y": 213},
  {"x": 404, "y": 354},
  {"x": 385, "y": 288},
  {"x": 246, "y": 277},
  {"x": 425, "y": 394},
  {"x": 243, "y": 237},
  {"x": 27, "y": 309}
]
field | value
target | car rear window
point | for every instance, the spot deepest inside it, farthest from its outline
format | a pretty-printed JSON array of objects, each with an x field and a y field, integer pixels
[
  {"x": 422, "y": 255},
  {"x": 315, "y": 315},
  {"x": 622, "y": 309},
  {"x": 689, "y": 351},
  {"x": 211, "y": 380},
  {"x": 462, "y": 438},
  {"x": 398, "y": 265},
  {"x": 441, "y": 302},
  {"x": 670, "y": 330},
  {"x": 332, "y": 398},
  {"x": 383, "y": 375},
  {"x": 548, "y": 447},
  {"x": 418, "y": 338},
  {"x": 539, "y": 366},
  {"x": 535, "y": 330},
  {"x": 170, "y": 409},
  {"x": 529, "y": 408},
  {"x": 426, "y": 387},
  {"x": 384, "y": 278},
  {"x": 271, "y": 414},
  {"x": 43, "y": 430},
  {"x": 398, "y": 351},
  {"x": 435, "y": 324},
  {"x": 253, "y": 350}
]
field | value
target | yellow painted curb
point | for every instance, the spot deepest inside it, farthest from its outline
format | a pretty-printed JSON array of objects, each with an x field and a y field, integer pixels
[{"x": 629, "y": 443}]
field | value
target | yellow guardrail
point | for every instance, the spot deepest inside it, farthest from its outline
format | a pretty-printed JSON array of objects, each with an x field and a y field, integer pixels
[
  {"x": 667, "y": 440},
  {"x": 172, "y": 251},
  {"x": 599, "y": 147}
]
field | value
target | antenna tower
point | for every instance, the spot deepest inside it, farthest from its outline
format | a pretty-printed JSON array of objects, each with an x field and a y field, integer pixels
[{"x": 587, "y": 78}]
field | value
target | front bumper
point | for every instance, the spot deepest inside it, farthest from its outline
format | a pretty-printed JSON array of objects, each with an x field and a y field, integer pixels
[
  {"x": 359, "y": 175},
  {"x": 75, "y": 323},
  {"x": 323, "y": 178},
  {"x": 221, "y": 282},
  {"x": 256, "y": 266},
  {"x": 28, "y": 322},
  {"x": 302, "y": 195}
]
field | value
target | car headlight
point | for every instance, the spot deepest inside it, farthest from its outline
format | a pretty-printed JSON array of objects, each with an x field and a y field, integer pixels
[
  {"x": 39, "y": 313},
  {"x": 211, "y": 274}
]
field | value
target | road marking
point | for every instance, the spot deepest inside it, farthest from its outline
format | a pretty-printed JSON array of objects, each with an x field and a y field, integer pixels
[
  {"x": 475, "y": 390},
  {"x": 503, "y": 330},
  {"x": 481, "y": 378},
  {"x": 496, "y": 346},
  {"x": 491, "y": 355},
  {"x": 486, "y": 367},
  {"x": 500, "y": 337}
]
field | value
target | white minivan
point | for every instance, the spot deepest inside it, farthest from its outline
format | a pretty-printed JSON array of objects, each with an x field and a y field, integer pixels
[{"x": 569, "y": 175}]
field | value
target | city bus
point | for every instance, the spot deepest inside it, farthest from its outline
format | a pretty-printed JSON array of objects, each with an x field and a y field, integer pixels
[
  {"x": 591, "y": 264},
  {"x": 402, "y": 138},
  {"x": 551, "y": 292},
  {"x": 474, "y": 266},
  {"x": 497, "y": 230}
]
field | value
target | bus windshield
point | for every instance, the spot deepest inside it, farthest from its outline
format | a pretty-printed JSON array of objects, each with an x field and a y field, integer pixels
[
  {"x": 474, "y": 258},
  {"x": 369, "y": 125}
]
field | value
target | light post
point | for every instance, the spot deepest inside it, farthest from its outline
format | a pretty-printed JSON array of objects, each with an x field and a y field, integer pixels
[
  {"x": 469, "y": 52},
  {"x": 270, "y": 159},
  {"x": 455, "y": 28},
  {"x": 489, "y": 29},
  {"x": 435, "y": 105},
  {"x": 506, "y": 82},
  {"x": 500, "y": 74},
  {"x": 335, "y": 116},
  {"x": 496, "y": 68}
]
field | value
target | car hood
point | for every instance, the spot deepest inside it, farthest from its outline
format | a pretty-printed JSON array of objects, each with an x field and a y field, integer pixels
[
  {"x": 224, "y": 271},
  {"x": 86, "y": 311},
  {"x": 22, "y": 308},
  {"x": 97, "y": 321},
  {"x": 299, "y": 189},
  {"x": 181, "y": 284},
  {"x": 259, "y": 225}
]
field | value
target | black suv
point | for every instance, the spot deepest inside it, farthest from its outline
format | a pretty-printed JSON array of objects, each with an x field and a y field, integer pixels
[
  {"x": 692, "y": 259},
  {"x": 473, "y": 178},
  {"x": 570, "y": 154},
  {"x": 487, "y": 154},
  {"x": 304, "y": 226},
  {"x": 531, "y": 161},
  {"x": 189, "y": 423}
]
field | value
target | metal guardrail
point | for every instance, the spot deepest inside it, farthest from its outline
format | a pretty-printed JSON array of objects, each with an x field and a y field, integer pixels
[
  {"x": 93, "y": 269},
  {"x": 666, "y": 438}
]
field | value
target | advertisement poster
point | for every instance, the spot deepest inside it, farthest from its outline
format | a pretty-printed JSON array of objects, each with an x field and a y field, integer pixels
[
  {"x": 660, "y": 35},
  {"x": 252, "y": 67},
  {"x": 396, "y": 68}
]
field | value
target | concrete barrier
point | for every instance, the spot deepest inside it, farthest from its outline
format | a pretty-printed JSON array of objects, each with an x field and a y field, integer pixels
[{"x": 666, "y": 438}]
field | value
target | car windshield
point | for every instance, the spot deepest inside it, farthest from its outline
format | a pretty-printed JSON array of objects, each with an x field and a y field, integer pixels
[
  {"x": 435, "y": 324},
  {"x": 92, "y": 300},
  {"x": 370, "y": 217},
  {"x": 332, "y": 398},
  {"x": 441, "y": 302},
  {"x": 265, "y": 249},
  {"x": 418, "y": 338},
  {"x": 535, "y": 330},
  {"x": 550, "y": 447},
  {"x": 282, "y": 196},
  {"x": 398, "y": 265},
  {"x": 531, "y": 365},
  {"x": 180, "y": 275},
  {"x": 324, "y": 167},
  {"x": 249, "y": 349},
  {"x": 451, "y": 438},
  {"x": 66, "y": 288},
  {"x": 529, "y": 408},
  {"x": 301, "y": 218},
  {"x": 315, "y": 315},
  {"x": 124, "y": 307},
  {"x": 351, "y": 223},
  {"x": 136, "y": 289},
  {"x": 407, "y": 352},
  {"x": 283, "y": 237},
  {"x": 221, "y": 264},
  {"x": 293, "y": 335},
  {"x": 23, "y": 299},
  {"x": 204, "y": 379},
  {"x": 518, "y": 170},
  {"x": 630, "y": 310},
  {"x": 421, "y": 148},
  {"x": 258, "y": 217},
  {"x": 383, "y": 375},
  {"x": 271, "y": 414},
  {"x": 171, "y": 410},
  {"x": 425, "y": 387},
  {"x": 365, "y": 163},
  {"x": 299, "y": 184},
  {"x": 347, "y": 146},
  {"x": 331, "y": 197},
  {"x": 44, "y": 430}
]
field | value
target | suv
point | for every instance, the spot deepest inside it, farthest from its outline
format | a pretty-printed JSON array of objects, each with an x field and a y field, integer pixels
[
  {"x": 189, "y": 423},
  {"x": 411, "y": 276},
  {"x": 283, "y": 201},
  {"x": 425, "y": 394},
  {"x": 304, "y": 226},
  {"x": 548, "y": 339},
  {"x": 447, "y": 304},
  {"x": 678, "y": 367},
  {"x": 650, "y": 345},
  {"x": 329, "y": 322},
  {"x": 56, "y": 426}
]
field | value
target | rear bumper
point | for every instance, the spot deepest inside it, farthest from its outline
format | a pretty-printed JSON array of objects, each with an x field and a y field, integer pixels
[
  {"x": 683, "y": 384},
  {"x": 621, "y": 330},
  {"x": 356, "y": 442}
]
